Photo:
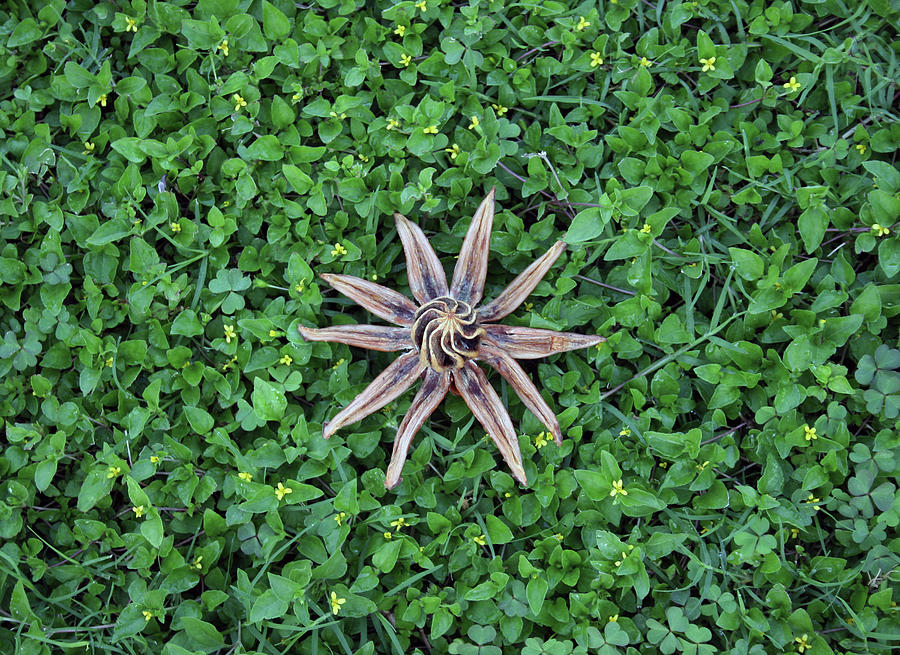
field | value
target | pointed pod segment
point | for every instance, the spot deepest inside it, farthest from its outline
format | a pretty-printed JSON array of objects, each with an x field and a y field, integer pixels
[
  {"x": 496, "y": 358},
  {"x": 471, "y": 267},
  {"x": 373, "y": 337},
  {"x": 485, "y": 404},
  {"x": 393, "y": 381},
  {"x": 520, "y": 288},
  {"x": 533, "y": 343},
  {"x": 429, "y": 396},
  {"x": 427, "y": 279},
  {"x": 381, "y": 301}
]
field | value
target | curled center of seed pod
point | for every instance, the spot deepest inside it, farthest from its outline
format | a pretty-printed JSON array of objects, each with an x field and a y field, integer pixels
[{"x": 446, "y": 333}]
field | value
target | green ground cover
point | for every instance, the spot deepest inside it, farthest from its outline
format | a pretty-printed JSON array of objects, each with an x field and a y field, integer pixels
[{"x": 173, "y": 175}]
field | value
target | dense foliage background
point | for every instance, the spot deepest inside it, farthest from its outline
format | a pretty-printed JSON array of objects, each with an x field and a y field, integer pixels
[{"x": 172, "y": 174}]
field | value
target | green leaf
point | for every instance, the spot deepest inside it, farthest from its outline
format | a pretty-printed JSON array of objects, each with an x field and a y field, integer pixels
[
  {"x": 498, "y": 532},
  {"x": 812, "y": 225},
  {"x": 130, "y": 148},
  {"x": 299, "y": 181},
  {"x": 276, "y": 25},
  {"x": 587, "y": 224},
  {"x": 536, "y": 592},
  {"x": 95, "y": 486},
  {"x": 201, "y": 421},
  {"x": 152, "y": 529},
  {"x": 266, "y": 148},
  {"x": 77, "y": 75},
  {"x": 269, "y": 401},
  {"x": 109, "y": 231},
  {"x": 202, "y": 635},
  {"x": 25, "y": 32},
  {"x": 748, "y": 264},
  {"x": 268, "y": 606},
  {"x": 696, "y": 162},
  {"x": 596, "y": 485}
]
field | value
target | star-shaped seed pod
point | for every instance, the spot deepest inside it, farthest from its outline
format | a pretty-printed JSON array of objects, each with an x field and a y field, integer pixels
[{"x": 444, "y": 335}]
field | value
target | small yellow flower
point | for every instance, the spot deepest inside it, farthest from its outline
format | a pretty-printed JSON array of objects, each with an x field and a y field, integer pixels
[
  {"x": 362, "y": 158},
  {"x": 861, "y": 147},
  {"x": 339, "y": 362},
  {"x": 431, "y": 129},
  {"x": 507, "y": 494},
  {"x": 646, "y": 229},
  {"x": 480, "y": 540},
  {"x": 245, "y": 476},
  {"x": 802, "y": 643},
  {"x": 613, "y": 618},
  {"x": 792, "y": 85},
  {"x": 776, "y": 315},
  {"x": 618, "y": 488},
  {"x": 130, "y": 24},
  {"x": 138, "y": 511},
  {"x": 405, "y": 60},
  {"x": 528, "y": 306},
  {"x": 821, "y": 321},
  {"x": 223, "y": 47},
  {"x": 340, "y": 116},
  {"x": 618, "y": 562},
  {"x": 154, "y": 459},
  {"x": 281, "y": 491},
  {"x": 500, "y": 109},
  {"x": 274, "y": 333},
  {"x": 226, "y": 203},
  {"x": 229, "y": 333},
  {"x": 702, "y": 467},
  {"x": 239, "y": 101},
  {"x": 112, "y": 472},
  {"x": 229, "y": 364},
  {"x": 299, "y": 288},
  {"x": 109, "y": 362},
  {"x": 339, "y": 517},
  {"x": 197, "y": 563},
  {"x": 596, "y": 59},
  {"x": 336, "y": 603},
  {"x": 558, "y": 537},
  {"x": 393, "y": 124},
  {"x": 663, "y": 464},
  {"x": 88, "y": 148},
  {"x": 388, "y": 535},
  {"x": 809, "y": 433},
  {"x": 422, "y": 5},
  {"x": 453, "y": 151},
  {"x": 812, "y": 500},
  {"x": 175, "y": 227},
  {"x": 540, "y": 440},
  {"x": 399, "y": 523},
  {"x": 795, "y": 532},
  {"x": 338, "y": 250},
  {"x": 582, "y": 23},
  {"x": 474, "y": 123},
  {"x": 708, "y": 64},
  {"x": 880, "y": 230},
  {"x": 374, "y": 277},
  {"x": 646, "y": 63},
  {"x": 286, "y": 360},
  {"x": 624, "y": 432},
  {"x": 102, "y": 99},
  {"x": 147, "y": 615},
  {"x": 400, "y": 30}
]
